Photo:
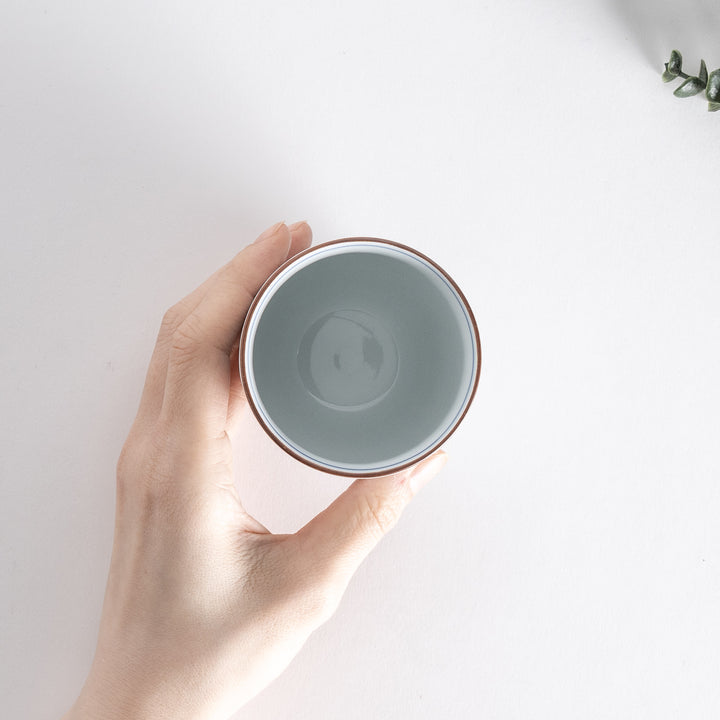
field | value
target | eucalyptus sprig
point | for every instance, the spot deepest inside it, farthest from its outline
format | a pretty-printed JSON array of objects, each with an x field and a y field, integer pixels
[{"x": 694, "y": 84}]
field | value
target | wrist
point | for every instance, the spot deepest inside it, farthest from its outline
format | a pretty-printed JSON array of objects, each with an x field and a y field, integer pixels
[{"x": 127, "y": 700}]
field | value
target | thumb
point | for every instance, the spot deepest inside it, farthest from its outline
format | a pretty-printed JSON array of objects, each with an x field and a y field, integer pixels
[{"x": 341, "y": 537}]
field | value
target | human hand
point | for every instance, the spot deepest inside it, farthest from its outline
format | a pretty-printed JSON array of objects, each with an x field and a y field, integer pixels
[{"x": 204, "y": 606}]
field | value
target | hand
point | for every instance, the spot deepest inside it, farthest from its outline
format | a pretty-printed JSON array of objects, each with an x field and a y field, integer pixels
[{"x": 203, "y": 606}]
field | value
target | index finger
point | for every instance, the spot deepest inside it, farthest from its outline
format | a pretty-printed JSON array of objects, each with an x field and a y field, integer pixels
[{"x": 198, "y": 377}]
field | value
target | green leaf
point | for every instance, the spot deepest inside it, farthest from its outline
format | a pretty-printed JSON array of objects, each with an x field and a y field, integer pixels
[
  {"x": 692, "y": 86},
  {"x": 703, "y": 75},
  {"x": 713, "y": 107},
  {"x": 667, "y": 75},
  {"x": 713, "y": 86},
  {"x": 675, "y": 64}
]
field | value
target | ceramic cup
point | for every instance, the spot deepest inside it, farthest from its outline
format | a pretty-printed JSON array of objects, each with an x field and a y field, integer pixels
[{"x": 359, "y": 357}]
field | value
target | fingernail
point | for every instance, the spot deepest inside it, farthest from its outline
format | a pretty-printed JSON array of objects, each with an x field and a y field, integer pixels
[
  {"x": 270, "y": 232},
  {"x": 296, "y": 225},
  {"x": 427, "y": 470}
]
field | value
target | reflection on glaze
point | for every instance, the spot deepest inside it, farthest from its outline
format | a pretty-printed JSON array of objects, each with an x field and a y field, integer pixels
[{"x": 347, "y": 360}]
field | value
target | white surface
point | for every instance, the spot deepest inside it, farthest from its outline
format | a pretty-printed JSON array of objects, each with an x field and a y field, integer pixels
[{"x": 566, "y": 563}]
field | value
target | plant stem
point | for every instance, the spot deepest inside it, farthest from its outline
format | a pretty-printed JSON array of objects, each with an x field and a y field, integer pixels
[{"x": 683, "y": 75}]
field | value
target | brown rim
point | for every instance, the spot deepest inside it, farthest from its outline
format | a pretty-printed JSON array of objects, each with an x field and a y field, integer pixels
[{"x": 243, "y": 375}]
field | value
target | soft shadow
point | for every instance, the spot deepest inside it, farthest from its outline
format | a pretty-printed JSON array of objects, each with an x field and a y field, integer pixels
[{"x": 659, "y": 26}]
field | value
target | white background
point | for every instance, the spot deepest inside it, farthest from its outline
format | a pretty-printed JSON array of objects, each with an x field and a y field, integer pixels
[{"x": 566, "y": 563}]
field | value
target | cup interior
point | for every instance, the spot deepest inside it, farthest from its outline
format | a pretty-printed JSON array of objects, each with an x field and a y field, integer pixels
[{"x": 360, "y": 357}]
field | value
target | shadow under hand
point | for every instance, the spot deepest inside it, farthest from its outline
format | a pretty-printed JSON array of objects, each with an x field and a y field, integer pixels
[{"x": 690, "y": 26}]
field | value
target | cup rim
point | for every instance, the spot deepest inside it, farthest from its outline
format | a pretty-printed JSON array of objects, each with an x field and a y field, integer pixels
[{"x": 243, "y": 370}]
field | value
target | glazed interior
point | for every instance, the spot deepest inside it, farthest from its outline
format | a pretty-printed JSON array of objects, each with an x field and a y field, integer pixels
[{"x": 361, "y": 357}]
